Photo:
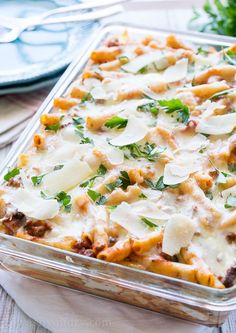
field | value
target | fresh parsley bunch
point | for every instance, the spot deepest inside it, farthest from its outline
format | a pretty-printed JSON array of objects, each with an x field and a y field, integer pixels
[{"x": 221, "y": 17}]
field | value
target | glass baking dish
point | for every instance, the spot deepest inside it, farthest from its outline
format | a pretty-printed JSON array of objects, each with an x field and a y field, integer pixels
[{"x": 151, "y": 291}]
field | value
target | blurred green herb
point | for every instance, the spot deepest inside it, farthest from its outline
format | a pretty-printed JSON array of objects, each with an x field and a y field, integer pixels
[{"x": 221, "y": 17}]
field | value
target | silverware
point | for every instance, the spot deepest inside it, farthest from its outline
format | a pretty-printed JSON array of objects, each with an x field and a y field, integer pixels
[{"x": 18, "y": 25}]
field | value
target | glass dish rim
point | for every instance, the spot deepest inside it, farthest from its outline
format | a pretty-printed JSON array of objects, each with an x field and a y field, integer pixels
[{"x": 61, "y": 86}]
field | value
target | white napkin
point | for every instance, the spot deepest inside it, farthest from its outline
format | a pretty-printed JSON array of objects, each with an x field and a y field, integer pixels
[{"x": 62, "y": 310}]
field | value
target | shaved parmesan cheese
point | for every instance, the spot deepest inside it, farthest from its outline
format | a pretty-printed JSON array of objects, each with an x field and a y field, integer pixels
[
  {"x": 142, "y": 81},
  {"x": 73, "y": 173},
  {"x": 178, "y": 233},
  {"x": 178, "y": 171},
  {"x": 114, "y": 155},
  {"x": 191, "y": 143},
  {"x": 217, "y": 125},
  {"x": 67, "y": 151},
  {"x": 157, "y": 57},
  {"x": 211, "y": 60},
  {"x": 149, "y": 93},
  {"x": 152, "y": 194},
  {"x": 27, "y": 184},
  {"x": 68, "y": 134},
  {"x": 208, "y": 108},
  {"x": 134, "y": 132},
  {"x": 176, "y": 72},
  {"x": 91, "y": 83},
  {"x": 226, "y": 193},
  {"x": 150, "y": 210},
  {"x": 99, "y": 93},
  {"x": 33, "y": 205},
  {"x": 124, "y": 216}
]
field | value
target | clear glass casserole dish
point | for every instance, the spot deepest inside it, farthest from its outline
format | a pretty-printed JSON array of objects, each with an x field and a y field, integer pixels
[{"x": 154, "y": 292}]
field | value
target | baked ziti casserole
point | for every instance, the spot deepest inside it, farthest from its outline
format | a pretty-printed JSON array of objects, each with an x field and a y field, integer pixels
[{"x": 136, "y": 163}]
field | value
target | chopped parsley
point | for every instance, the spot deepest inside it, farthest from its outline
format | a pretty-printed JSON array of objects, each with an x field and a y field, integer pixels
[
  {"x": 202, "y": 150},
  {"x": 232, "y": 167},
  {"x": 175, "y": 105},
  {"x": 230, "y": 202},
  {"x": 148, "y": 151},
  {"x": 142, "y": 196},
  {"x": 97, "y": 197},
  {"x": 159, "y": 185},
  {"x": 112, "y": 186},
  {"x": 36, "y": 180},
  {"x": 221, "y": 174},
  {"x": 54, "y": 127},
  {"x": 222, "y": 177},
  {"x": 79, "y": 129},
  {"x": 86, "y": 98},
  {"x": 123, "y": 182},
  {"x": 143, "y": 70},
  {"x": 100, "y": 173},
  {"x": 149, "y": 107},
  {"x": 58, "y": 167},
  {"x": 221, "y": 94},
  {"x": 64, "y": 200},
  {"x": 149, "y": 223},
  {"x": 209, "y": 195},
  {"x": 78, "y": 121},
  {"x": 116, "y": 122},
  {"x": 203, "y": 52},
  {"x": 112, "y": 207},
  {"x": 11, "y": 174},
  {"x": 123, "y": 60},
  {"x": 230, "y": 57}
]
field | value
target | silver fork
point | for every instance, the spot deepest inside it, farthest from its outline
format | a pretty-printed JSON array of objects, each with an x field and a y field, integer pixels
[{"x": 18, "y": 25}]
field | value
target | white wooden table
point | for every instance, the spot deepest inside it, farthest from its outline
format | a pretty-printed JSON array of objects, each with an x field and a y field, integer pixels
[{"x": 12, "y": 319}]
